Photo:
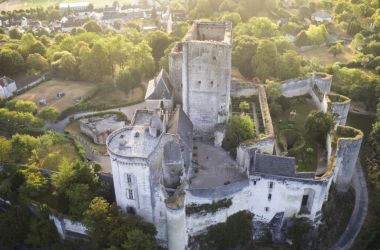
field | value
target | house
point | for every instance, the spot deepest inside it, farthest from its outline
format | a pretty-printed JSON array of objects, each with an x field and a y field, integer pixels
[
  {"x": 321, "y": 16},
  {"x": 7, "y": 87},
  {"x": 78, "y": 6}
]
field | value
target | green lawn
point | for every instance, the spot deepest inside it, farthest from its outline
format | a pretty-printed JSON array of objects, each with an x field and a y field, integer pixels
[{"x": 289, "y": 128}]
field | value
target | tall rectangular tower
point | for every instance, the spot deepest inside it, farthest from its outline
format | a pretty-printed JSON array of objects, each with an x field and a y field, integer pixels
[{"x": 206, "y": 75}]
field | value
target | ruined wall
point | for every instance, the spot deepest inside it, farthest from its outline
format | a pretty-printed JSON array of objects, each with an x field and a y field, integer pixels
[
  {"x": 252, "y": 195},
  {"x": 323, "y": 82},
  {"x": 206, "y": 83},
  {"x": 246, "y": 149},
  {"x": 348, "y": 148},
  {"x": 238, "y": 91},
  {"x": 339, "y": 106},
  {"x": 175, "y": 72},
  {"x": 296, "y": 87}
]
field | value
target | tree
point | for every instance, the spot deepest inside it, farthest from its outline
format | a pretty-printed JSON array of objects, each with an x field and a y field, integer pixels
[
  {"x": 158, "y": 41},
  {"x": 239, "y": 128},
  {"x": 79, "y": 197},
  {"x": 302, "y": 39},
  {"x": 142, "y": 59},
  {"x": 298, "y": 231},
  {"x": 261, "y": 27},
  {"x": 273, "y": 91},
  {"x": 37, "y": 48},
  {"x": 264, "y": 63},
  {"x": 179, "y": 31},
  {"x": 128, "y": 79},
  {"x": 35, "y": 183},
  {"x": 5, "y": 149},
  {"x": 37, "y": 63},
  {"x": 318, "y": 124},
  {"x": 49, "y": 114},
  {"x": 232, "y": 17},
  {"x": 15, "y": 34},
  {"x": 289, "y": 65},
  {"x": 95, "y": 65},
  {"x": 137, "y": 239},
  {"x": 358, "y": 42},
  {"x": 317, "y": 34},
  {"x": 66, "y": 66},
  {"x": 21, "y": 106},
  {"x": 244, "y": 106},
  {"x": 93, "y": 26},
  {"x": 109, "y": 227},
  {"x": 11, "y": 62},
  {"x": 14, "y": 226},
  {"x": 42, "y": 231},
  {"x": 336, "y": 49},
  {"x": 243, "y": 50}
]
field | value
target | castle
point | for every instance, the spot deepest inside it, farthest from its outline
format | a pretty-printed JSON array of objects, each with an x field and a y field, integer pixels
[{"x": 168, "y": 165}]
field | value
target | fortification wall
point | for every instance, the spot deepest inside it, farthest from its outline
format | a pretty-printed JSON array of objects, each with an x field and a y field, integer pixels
[
  {"x": 175, "y": 72},
  {"x": 340, "y": 106},
  {"x": 239, "y": 90},
  {"x": 348, "y": 148},
  {"x": 285, "y": 196},
  {"x": 323, "y": 82},
  {"x": 296, "y": 87}
]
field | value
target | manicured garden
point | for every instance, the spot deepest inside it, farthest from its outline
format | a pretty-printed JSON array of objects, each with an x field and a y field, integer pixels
[{"x": 289, "y": 125}]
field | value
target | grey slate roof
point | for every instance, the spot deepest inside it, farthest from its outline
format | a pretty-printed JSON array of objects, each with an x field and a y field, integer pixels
[
  {"x": 180, "y": 124},
  {"x": 160, "y": 87},
  {"x": 172, "y": 152},
  {"x": 273, "y": 165}
]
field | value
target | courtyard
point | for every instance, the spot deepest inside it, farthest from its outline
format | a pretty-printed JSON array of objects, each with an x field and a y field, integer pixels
[{"x": 292, "y": 139}]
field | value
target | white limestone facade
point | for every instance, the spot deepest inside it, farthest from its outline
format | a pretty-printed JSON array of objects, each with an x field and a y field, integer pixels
[{"x": 7, "y": 87}]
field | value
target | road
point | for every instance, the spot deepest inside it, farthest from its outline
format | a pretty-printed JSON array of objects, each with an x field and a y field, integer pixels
[{"x": 360, "y": 211}]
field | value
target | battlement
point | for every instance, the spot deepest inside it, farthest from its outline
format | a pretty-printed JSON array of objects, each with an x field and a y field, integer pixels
[{"x": 210, "y": 31}]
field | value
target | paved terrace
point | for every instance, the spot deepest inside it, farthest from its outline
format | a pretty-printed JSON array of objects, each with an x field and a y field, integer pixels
[{"x": 215, "y": 167}]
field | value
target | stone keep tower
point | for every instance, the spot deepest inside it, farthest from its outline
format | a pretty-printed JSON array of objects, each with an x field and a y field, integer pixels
[{"x": 206, "y": 75}]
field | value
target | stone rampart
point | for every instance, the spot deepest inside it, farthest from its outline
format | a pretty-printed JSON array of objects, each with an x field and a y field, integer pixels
[
  {"x": 340, "y": 106},
  {"x": 348, "y": 148}
]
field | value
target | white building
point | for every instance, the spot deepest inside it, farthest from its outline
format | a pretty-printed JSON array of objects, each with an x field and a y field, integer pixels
[
  {"x": 7, "y": 87},
  {"x": 164, "y": 172},
  {"x": 78, "y": 6},
  {"x": 321, "y": 16}
]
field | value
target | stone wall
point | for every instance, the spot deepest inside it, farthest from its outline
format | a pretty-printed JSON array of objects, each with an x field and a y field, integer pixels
[
  {"x": 296, "y": 87},
  {"x": 285, "y": 196},
  {"x": 339, "y": 106},
  {"x": 348, "y": 148},
  {"x": 175, "y": 72}
]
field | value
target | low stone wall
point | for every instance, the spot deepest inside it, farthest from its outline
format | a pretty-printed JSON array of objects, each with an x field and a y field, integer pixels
[{"x": 243, "y": 90}]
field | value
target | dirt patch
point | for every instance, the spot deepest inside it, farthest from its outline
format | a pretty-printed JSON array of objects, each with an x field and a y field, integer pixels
[
  {"x": 324, "y": 57},
  {"x": 48, "y": 90}
]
